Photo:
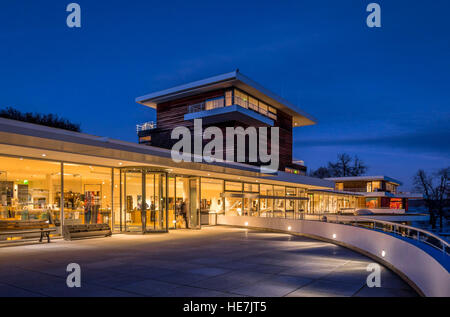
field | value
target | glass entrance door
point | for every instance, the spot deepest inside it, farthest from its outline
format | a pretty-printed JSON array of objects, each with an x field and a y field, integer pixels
[
  {"x": 194, "y": 203},
  {"x": 132, "y": 185},
  {"x": 250, "y": 206},
  {"x": 144, "y": 201},
  {"x": 187, "y": 202},
  {"x": 155, "y": 202}
]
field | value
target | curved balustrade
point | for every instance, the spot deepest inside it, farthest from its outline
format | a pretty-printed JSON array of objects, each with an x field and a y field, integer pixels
[
  {"x": 394, "y": 228},
  {"x": 395, "y": 245}
]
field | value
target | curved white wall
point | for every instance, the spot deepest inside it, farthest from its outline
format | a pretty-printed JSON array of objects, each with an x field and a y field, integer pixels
[{"x": 427, "y": 274}]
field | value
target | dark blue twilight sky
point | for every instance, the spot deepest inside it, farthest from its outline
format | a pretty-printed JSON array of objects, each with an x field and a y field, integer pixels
[{"x": 383, "y": 94}]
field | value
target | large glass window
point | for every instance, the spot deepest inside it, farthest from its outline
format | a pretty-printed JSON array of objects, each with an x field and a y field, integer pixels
[
  {"x": 278, "y": 207},
  {"x": 182, "y": 202},
  {"x": 212, "y": 200},
  {"x": 228, "y": 98},
  {"x": 118, "y": 216},
  {"x": 246, "y": 101},
  {"x": 266, "y": 200},
  {"x": 251, "y": 206},
  {"x": 263, "y": 108},
  {"x": 240, "y": 98},
  {"x": 87, "y": 194},
  {"x": 30, "y": 190},
  {"x": 144, "y": 200},
  {"x": 214, "y": 103},
  {"x": 266, "y": 190},
  {"x": 155, "y": 201},
  {"x": 233, "y": 186},
  {"x": 290, "y": 203},
  {"x": 252, "y": 188},
  {"x": 171, "y": 202},
  {"x": 233, "y": 206},
  {"x": 371, "y": 202},
  {"x": 272, "y": 113},
  {"x": 376, "y": 186},
  {"x": 253, "y": 103}
]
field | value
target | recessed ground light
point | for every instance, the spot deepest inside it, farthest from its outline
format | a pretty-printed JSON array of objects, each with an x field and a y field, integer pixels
[
  {"x": 383, "y": 253},
  {"x": 21, "y": 159},
  {"x": 120, "y": 163},
  {"x": 44, "y": 155},
  {"x": 334, "y": 236},
  {"x": 209, "y": 174},
  {"x": 246, "y": 223},
  {"x": 289, "y": 228}
]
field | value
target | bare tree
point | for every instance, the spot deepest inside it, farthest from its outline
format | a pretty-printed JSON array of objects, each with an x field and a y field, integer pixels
[
  {"x": 441, "y": 194},
  {"x": 435, "y": 191},
  {"x": 321, "y": 172},
  {"x": 359, "y": 168},
  {"x": 344, "y": 166}
]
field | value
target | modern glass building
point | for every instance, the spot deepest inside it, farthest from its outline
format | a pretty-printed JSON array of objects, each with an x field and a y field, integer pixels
[{"x": 73, "y": 178}]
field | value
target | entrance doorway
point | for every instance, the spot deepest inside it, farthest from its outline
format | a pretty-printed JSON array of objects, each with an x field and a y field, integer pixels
[
  {"x": 187, "y": 202},
  {"x": 144, "y": 203}
]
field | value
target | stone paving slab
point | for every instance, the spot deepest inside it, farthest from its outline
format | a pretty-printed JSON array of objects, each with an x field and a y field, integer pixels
[{"x": 214, "y": 261}]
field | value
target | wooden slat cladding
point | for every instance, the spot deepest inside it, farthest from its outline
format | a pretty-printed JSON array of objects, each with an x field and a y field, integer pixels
[
  {"x": 170, "y": 115},
  {"x": 284, "y": 122}
]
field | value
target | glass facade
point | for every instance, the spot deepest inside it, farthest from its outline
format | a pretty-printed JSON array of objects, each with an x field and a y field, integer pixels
[
  {"x": 212, "y": 200},
  {"x": 144, "y": 199},
  {"x": 247, "y": 101},
  {"x": 234, "y": 97},
  {"x": 30, "y": 190},
  {"x": 87, "y": 194},
  {"x": 328, "y": 202}
]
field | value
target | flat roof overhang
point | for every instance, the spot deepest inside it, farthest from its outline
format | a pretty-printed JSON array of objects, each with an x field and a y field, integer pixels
[
  {"x": 233, "y": 79},
  {"x": 335, "y": 192},
  {"x": 230, "y": 113},
  {"x": 20, "y": 139},
  {"x": 364, "y": 178},
  {"x": 258, "y": 196}
]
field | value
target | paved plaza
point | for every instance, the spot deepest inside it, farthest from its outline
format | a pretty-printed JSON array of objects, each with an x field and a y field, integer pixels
[{"x": 214, "y": 261}]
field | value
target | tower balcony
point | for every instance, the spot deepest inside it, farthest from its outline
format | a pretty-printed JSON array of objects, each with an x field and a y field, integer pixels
[{"x": 215, "y": 111}]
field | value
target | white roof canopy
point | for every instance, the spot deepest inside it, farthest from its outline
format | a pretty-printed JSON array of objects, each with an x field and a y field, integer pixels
[{"x": 233, "y": 79}]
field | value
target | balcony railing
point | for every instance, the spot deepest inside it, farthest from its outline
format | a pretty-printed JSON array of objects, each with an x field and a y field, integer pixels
[
  {"x": 247, "y": 104},
  {"x": 145, "y": 126},
  {"x": 395, "y": 229},
  {"x": 355, "y": 190},
  {"x": 220, "y": 103},
  {"x": 207, "y": 105}
]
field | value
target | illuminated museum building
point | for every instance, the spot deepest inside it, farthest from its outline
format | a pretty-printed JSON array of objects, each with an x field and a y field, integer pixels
[{"x": 48, "y": 173}]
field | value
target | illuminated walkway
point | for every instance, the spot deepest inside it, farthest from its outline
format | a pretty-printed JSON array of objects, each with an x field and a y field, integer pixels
[{"x": 214, "y": 261}]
